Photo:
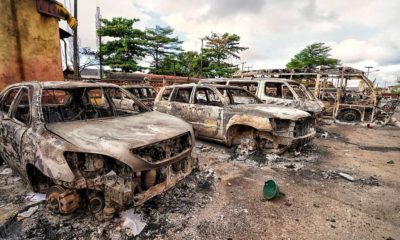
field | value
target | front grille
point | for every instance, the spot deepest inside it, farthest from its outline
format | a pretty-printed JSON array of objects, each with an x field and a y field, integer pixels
[
  {"x": 165, "y": 149},
  {"x": 303, "y": 127}
]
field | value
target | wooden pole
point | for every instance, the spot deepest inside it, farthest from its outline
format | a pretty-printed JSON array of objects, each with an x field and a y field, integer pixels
[{"x": 76, "y": 57}]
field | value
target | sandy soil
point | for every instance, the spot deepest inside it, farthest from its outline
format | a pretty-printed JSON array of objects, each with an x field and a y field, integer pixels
[{"x": 223, "y": 199}]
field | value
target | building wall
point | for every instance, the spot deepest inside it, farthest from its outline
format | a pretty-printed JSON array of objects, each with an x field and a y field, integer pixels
[{"x": 29, "y": 44}]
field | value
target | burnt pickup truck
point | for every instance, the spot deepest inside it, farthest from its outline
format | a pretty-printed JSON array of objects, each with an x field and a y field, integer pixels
[
  {"x": 231, "y": 115},
  {"x": 70, "y": 141}
]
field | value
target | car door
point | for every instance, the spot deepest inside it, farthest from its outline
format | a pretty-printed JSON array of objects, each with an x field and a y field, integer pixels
[
  {"x": 206, "y": 111},
  {"x": 14, "y": 126},
  {"x": 179, "y": 101}
]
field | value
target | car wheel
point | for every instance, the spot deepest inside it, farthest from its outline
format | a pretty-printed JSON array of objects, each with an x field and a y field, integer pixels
[{"x": 350, "y": 116}]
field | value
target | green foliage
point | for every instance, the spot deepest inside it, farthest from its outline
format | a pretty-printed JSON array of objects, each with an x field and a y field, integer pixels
[
  {"x": 184, "y": 64},
  {"x": 219, "y": 49},
  {"x": 396, "y": 89},
  {"x": 160, "y": 45},
  {"x": 316, "y": 54},
  {"x": 127, "y": 44}
]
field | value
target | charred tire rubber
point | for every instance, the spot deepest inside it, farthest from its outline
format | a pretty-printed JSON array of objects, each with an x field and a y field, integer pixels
[{"x": 350, "y": 116}]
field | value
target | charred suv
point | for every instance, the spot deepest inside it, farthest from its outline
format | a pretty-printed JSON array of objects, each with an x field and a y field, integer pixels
[
  {"x": 71, "y": 141},
  {"x": 231, "y": 115}
]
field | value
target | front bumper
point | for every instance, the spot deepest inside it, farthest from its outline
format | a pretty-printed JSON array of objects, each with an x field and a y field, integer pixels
[
  {"x": 173, "y": 177},
  {"x": 121, "y": 194},
  {"x": 294, "y": 142}
]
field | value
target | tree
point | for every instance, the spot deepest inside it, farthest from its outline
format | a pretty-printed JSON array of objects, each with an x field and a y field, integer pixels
[
  {"x": 219, "y": 49},
  {"x": 161, "y": 44},
  {"x": 127, "y": 44},
  {"x": 189, "y": 64},
  {"x": 316, "y": 54},
  {"x": 87, "y": 57},
  {"x": 184, "y": 64}
]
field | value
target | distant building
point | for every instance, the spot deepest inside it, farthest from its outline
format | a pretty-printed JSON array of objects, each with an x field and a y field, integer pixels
[{"x": 90, "y": 73}]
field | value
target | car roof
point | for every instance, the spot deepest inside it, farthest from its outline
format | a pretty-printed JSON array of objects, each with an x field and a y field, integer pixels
[
  {"x": 205, "y": 84},
  {"x": 64, "y": 84},
  {"x": 262, "y": 79},
  {"x": 137, "y": 86}
]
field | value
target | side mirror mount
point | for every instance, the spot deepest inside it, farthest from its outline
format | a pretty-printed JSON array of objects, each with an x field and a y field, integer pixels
[{"x": 5, "y": 117}]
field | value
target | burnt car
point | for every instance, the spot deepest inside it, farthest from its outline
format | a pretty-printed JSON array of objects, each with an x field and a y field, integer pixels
[
  {"x": 144, "y": 93},
  {"x": 70, "y": 141},
  {"x": 231, "y": 115}
]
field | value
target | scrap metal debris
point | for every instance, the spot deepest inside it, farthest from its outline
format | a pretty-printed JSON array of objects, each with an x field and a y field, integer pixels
[
  {"x": 346, "y": 176},
  {"x": 27, "y": 213},
  {"x": 132, "y": 222}
]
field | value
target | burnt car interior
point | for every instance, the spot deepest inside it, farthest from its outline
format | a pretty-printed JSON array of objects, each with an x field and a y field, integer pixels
[
  {"x": 278, "y": 90},
  {"x": 205, "y": 96},
  {"x": 142, "y": 93},
  {"x": 72, "y": 104},
  {"x": 182, "y": 95},
  {"x": 249, "y": 86}
]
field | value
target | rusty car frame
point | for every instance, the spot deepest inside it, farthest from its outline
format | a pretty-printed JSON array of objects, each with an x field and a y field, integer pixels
[
  {"x": 70, "y": 141},
  {"x": 277, "y": 91},
  {"x": 347, "y": 93},
  {"x": 234, "y": 116}
]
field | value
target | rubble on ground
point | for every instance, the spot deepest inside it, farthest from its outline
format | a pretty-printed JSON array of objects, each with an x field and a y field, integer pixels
[{"x": 193, "y": 192}]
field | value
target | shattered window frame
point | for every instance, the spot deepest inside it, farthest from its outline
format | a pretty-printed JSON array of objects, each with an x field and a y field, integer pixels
[
  {"x": 227, "y": 93},
  {"x": 63, "y": 117},
  {"x": 289, "y": 90},
  {"x": 176, "y": 91},
  {"x": 164, "y": 96},
  {"x": 277, "y": 86},
  {"x": 217, "y": 103},
  {"x": 5, "y": 96},
  {"x": 251, "y": 86},
  {"x": 17, "y": 100}
]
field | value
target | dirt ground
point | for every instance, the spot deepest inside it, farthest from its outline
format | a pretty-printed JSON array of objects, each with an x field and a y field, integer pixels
[{"x": 223, "y": 198}]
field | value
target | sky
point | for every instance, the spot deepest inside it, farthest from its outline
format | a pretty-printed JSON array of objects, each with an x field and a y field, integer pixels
[{"x": 360, "y": 32}]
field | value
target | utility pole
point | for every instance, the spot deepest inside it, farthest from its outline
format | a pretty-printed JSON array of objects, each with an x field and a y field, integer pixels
[
  {"x": 368, "y": 68},
  {"x": 98, "y": 26},
  {"x": 243, "y": 63},
  {"x": 76, "y": 57},
  {"x": 201, "y": 58}
]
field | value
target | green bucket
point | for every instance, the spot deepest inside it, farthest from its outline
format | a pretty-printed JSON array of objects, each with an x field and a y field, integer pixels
[{"x": 270, "y": 190}]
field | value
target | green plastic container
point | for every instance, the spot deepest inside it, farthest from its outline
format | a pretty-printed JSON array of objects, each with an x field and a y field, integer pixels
[{"x": 270, "y": 190}]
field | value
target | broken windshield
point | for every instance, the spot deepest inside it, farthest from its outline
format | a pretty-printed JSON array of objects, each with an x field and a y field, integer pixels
[
  {"x": 239, "y": 96},
  {"x": 301, "y": 92},
  {"x": 73, "y": 104}
]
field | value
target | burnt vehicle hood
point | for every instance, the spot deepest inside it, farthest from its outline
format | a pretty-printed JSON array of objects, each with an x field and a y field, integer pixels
[
  {"x": 272, "y": 111},
  {"x": 116, "y": 135},
  {"x": 310, "y": 106}
]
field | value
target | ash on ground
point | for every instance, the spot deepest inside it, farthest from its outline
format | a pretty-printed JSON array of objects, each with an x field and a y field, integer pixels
[
  {"x": 163, "y": 214},
  {"x": 293, "y": 159}
]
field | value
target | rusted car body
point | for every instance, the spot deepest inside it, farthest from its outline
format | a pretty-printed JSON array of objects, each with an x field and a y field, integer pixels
[
  {"x": 144, "y": 93},
  {"x": 70, "y": 140},
  {"x": 231, "y": 114},
  {"x": 282, "y": 92},
  {"x": 347, "y": 93}
]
